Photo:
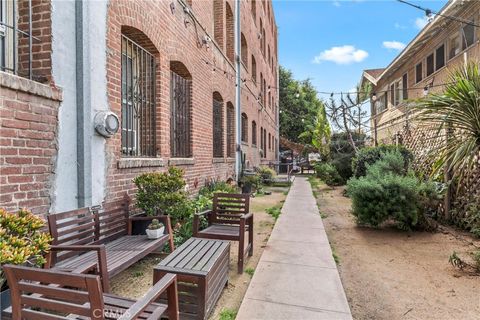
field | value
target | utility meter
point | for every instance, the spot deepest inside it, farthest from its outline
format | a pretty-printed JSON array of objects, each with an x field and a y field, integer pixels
[{"x": 106, "y": 123}]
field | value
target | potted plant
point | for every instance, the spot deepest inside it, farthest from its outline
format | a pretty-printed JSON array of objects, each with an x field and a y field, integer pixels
[
  {"x": 22, "y": 242},
  {"x": 155, "y": 229},
  {"x": 159, "y": 193},
  {"x": 248, "y": 182}
]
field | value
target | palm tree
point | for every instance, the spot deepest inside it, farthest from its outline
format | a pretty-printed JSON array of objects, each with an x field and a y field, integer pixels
[{"x": 455, "y": 115}]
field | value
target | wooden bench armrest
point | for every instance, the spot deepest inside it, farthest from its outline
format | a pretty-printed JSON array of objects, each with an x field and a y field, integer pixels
[
  {"x": 247, "y": 216},
  {"x": 101, "y": 257},
  {"x": 196, "y": 221},
  {"x": 169, "y": 283}
]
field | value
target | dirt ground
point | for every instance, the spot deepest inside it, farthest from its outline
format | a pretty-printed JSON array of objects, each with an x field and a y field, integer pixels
[
  {"x": 390, "y": 274},
  {"x": 136, "y": 280}
]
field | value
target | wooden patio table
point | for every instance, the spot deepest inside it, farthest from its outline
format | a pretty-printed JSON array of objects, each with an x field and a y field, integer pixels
[{"x": 201, "y": 266}]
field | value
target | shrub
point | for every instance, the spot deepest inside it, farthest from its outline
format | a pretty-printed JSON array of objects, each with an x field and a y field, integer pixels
[
  {"x": 385, "y": 194},
  {"x": 213, "y": 187},
  {"x": 161, "y": 192},
  {"x": 328, "y": 174},
  {"x": 370, "y": 155},
  {"x": 21, "y": 240},
  {"x": 266, "y": 175}
]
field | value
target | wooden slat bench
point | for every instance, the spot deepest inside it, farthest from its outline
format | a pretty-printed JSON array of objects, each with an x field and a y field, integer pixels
[
  {"x": 40, "y": 294},
  {"x": 99, "y": 239},
  {"x": 228, "y": 220},
  {"x": 201, "y": 266}
]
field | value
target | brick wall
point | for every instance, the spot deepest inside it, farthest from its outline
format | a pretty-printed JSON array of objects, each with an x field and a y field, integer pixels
[
  {"x": 175, "y": 36},
  {"x": 28, "y": 126}
]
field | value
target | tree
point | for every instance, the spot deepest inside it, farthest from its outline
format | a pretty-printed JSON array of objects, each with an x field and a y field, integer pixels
[
  {"x": 299, "y": 107},
  {"x": 348, "y": 116},
  {"x": 455, "y": 116}
]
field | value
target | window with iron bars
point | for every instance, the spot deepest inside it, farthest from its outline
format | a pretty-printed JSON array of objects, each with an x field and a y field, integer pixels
[
  {"x": 180, "y": 116},
  {"x": 138, "y": 100},
  {"x": 217, "y": 129},
  {"x": 254, "y": 133},
  {"x": 230, "y": 130},
  {"x": 244, "y": 128},
  {"x": 15, "y": 38}
]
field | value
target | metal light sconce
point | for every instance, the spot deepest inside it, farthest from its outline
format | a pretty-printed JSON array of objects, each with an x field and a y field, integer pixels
[
  {"x": 374, "y": 97},
  {"x": 425, "y": 91},
  {"x": 106, "y": 123}
]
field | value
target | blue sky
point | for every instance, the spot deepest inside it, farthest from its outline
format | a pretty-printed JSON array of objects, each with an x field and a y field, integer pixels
[{"x": 333, "y": 41}]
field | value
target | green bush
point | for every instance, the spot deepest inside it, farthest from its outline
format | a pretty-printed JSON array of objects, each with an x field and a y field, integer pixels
[
  {"x": 370, "y": 155},
  {"x": 213, "y": 187},
  {"x": 388, "y": 192},
  {"x": 328, "y": 174},
  {"x": 266, "y": 175},
  {"x": 161, "y": 193}
]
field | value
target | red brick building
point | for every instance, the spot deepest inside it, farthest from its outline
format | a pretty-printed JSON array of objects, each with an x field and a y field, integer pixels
[{"x": 166, "y": 69}]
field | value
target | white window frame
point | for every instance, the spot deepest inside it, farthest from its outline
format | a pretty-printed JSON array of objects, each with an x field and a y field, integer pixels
[{"x": 457, "y": 35}]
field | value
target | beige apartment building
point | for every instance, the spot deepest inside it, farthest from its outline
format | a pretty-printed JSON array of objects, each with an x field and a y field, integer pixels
[{"x": 421, "y": 68}]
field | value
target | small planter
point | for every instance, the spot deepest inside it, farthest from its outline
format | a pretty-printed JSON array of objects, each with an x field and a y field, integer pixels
[
  {"x": 5, "y": 300},
  {"x": 247, "y": 188},
  {"x": 155, "y": 234}
]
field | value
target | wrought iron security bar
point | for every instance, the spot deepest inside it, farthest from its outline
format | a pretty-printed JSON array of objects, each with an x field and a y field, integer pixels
[
  {"x": 180, "y": 117},
  {"x": 16, "y": 44},
  {"x": 138, "y": 100}
]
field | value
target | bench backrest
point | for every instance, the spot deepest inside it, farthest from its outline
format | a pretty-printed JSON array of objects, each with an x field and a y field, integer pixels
[
  {"x": 95, "y": 225},
  {"x": 229, "y": 207},
  {"x": 52, "y": 295}
]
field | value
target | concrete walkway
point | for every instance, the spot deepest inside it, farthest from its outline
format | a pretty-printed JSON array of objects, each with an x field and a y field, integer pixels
[{"x": 296, "y": 277}]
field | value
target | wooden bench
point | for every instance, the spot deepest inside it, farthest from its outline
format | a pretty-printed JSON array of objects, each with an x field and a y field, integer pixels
[
  {"x": 228, "y": 220},
  {"x": 52, "y": 295},
  {"x": 201, "y": 267},
  {"x": 100, "y": 240}
]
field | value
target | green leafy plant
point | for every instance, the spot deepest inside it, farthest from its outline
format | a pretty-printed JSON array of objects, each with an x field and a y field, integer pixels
[
  {"x": 455, "y": 116},
  {"x": 250, "y": 271},
  {"x": 216, "y": 186},
  {"x": 251, "y": 179},
  {"x": 386, "y": 192},
  {"x": 161, "y": 193},
  {"x": 274, "y": 211},
  {"x": 266, "y": 175},
  {"x": 228, "y": 314},
  {"x": 370, "y": 155},
  {"x": 328, "y": 174},
  {"x": 22, "y": 240}
]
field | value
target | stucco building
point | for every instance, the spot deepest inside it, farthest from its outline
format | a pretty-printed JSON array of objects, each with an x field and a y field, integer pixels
[
  {"x": 421, "y": 68},
  {"x": 166, "y": 69}
]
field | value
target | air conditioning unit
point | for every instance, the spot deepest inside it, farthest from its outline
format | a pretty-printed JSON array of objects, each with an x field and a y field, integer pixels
[{"x": 131, "y": 135}]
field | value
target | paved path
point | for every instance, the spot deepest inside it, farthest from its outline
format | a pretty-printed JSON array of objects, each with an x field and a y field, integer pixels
[{"x": 296, "y": 277}]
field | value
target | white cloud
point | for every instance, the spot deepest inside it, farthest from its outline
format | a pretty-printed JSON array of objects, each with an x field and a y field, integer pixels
[
  {"x": 342, "y": 55},
  {"x": 420, "y": 23},
  {"x": 395, "y": 45},
  {"x": 399, "y": 26},
  {"x": 336, "y": 3}
]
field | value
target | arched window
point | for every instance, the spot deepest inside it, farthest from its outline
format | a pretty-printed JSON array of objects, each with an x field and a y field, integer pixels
[
  {"x": 230, "y": 130},
  {"x": 269, "y": 99},
  {"x": 262, "y": 147},
  {"x": 244, "y": 49},
  {"x": 264, "y": 41},
  {"x": 269, "y": 141},
  {"x": 261, "y": 88},
  {"x": 268, "y": 55},
  {"x": 254, "y": 133},
  {"x": 180, "y": 111},
  {"x": 138, "y": 79},
  {"x": 230, "y": 33},
  {"x": 254, "y": 10},
  {"x": 217, "y": 141},
  {"x": 264, "y": 93},
  {"x": 244, "y": 127},
  {"x": 254, "y": 70},
  {"x": 218, "y": 22}
]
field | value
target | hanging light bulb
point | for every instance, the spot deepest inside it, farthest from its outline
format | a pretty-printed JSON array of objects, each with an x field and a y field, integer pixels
[
  {"x": 374, "y": 97},
  {"x": 297, "y": 95}
]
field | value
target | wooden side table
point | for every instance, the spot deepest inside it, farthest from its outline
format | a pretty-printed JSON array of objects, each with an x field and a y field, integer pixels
[{"x": 201, "y": 266}]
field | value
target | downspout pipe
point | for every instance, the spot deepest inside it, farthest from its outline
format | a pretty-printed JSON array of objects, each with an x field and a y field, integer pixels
[
  {"x": 238, "y": 91},
  {"x": 84, "y": 164}
]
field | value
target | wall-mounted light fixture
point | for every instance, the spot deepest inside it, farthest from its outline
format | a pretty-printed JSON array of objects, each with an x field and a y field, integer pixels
[
  {"x": 425, "y": 91},
  {"x": 374, "y": 97},
  {"x": 106, "y": 123}
]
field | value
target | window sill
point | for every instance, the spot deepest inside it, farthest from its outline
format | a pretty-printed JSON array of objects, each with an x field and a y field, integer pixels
[
  {"x": 230, "y": 160},
  {"x": 218, "y": 160},
  {"x": 127, "y": 163},
  {"x": 245, "y": 144},
  {"x": 181, "y": 161}
]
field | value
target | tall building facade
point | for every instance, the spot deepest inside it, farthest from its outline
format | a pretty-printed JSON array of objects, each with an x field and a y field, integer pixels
[{"x": 165, "y": 69}]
